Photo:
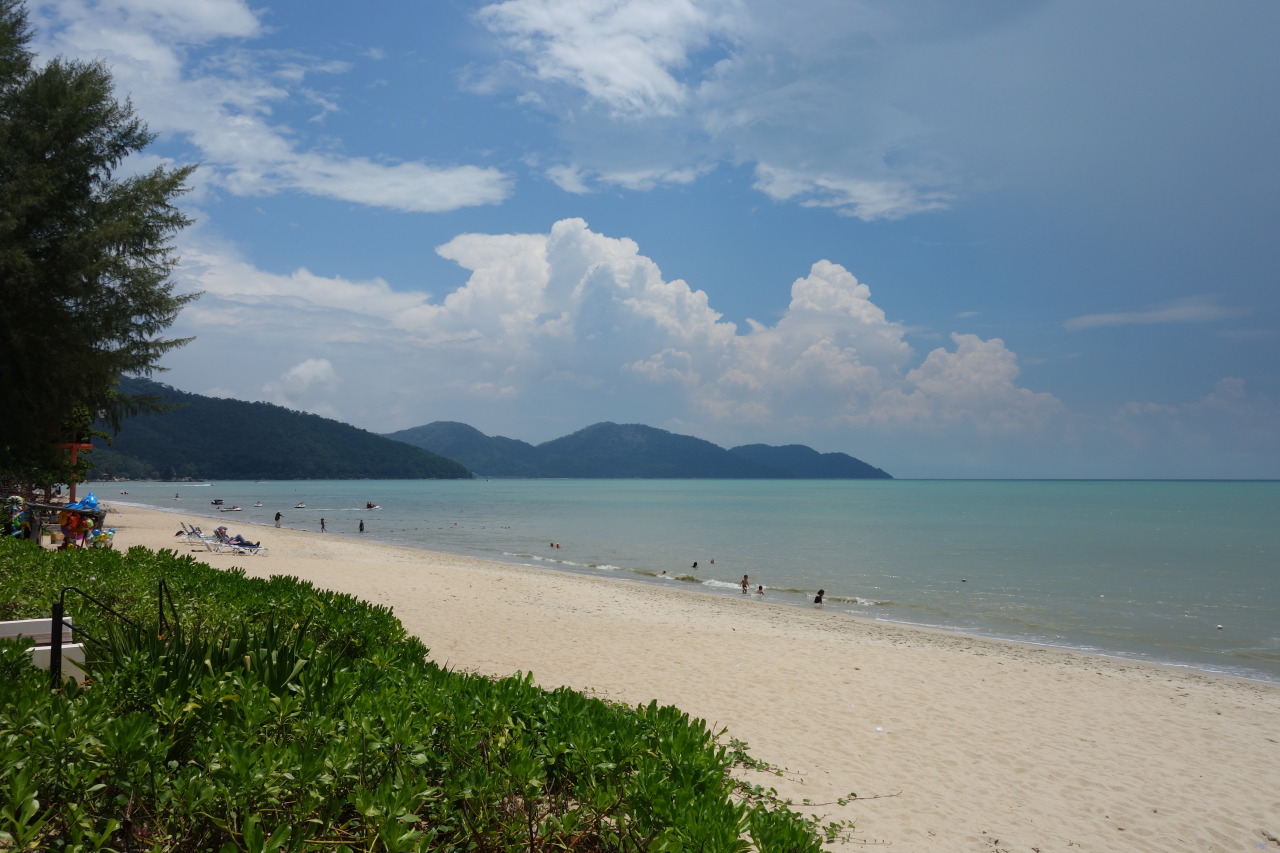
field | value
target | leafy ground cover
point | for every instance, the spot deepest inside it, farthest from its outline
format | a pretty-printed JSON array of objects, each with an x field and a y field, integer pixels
[{"x": 275, "y": 716}]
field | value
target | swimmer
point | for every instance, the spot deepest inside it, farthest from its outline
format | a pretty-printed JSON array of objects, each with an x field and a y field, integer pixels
[
  {"x": 817, "y": 599},
  {"x": 760, "y": 590}
]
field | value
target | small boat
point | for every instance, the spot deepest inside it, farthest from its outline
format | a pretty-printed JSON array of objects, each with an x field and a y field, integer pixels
[
  {"x": 217, "y": 502},
  {"x": 258, "y": 504},
  {"x": 299, "y": 505},
  {"x": 232, "y": 508},
  {"x": 371, "y": 506}
]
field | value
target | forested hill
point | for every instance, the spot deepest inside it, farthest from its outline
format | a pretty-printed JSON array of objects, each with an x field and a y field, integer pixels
[
  {"x": 213, "y": 438},
  {"x": 809, "y": 464},
  {"x": 630, "y": 450}
]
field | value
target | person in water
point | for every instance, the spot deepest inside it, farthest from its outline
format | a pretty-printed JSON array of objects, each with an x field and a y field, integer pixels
[
  {"x": 760, "y": 590},
  {"x": 745, "y": 585},
  {"x": 817, "y": 599}
]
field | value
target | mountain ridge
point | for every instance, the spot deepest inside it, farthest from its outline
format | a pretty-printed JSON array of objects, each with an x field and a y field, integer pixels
[
  {"x": 609, "y": 450},
  {"x": 216, "y": 438}
]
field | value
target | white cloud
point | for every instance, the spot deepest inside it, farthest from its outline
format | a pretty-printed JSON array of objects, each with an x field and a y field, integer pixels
[
  {"x": 542, "y": 319},
  {"x": 1225, "y": 433},
  {"x": 191, "y": 21},
  {"x": 224, "y": 103},
  {"x": 569, "y": 178},
  {"x": 867, "y": 200},
  {"x": 626, "y": 56},
  {"x": 754, "y": 81},
  {"x": 545, "y": 333},
  {"x": 1191, "y": 309},
  {"x": 310, "y": 385}
]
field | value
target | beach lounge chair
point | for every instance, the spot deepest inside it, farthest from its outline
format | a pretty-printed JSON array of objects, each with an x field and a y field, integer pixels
[
  {"x": 225, "y": 540},
  {"x": 195, "y": 536}
]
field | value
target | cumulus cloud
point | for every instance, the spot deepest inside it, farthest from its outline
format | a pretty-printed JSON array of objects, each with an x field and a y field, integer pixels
[
  {"x": 576, "y": 320},
  {"x": 544, "y": 333},
  {"x": 223, "y": 97},
  {"x": 1191, "y": 309},
  {"x": 309, "y": 385}
]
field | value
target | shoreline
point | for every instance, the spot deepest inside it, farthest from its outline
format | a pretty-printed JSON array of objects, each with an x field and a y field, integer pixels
[
  {"x": 971, "y": 743},
  {"x": 653, "y": 581}
]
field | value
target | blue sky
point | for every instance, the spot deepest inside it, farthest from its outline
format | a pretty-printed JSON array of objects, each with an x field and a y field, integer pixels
[{"x": 986, "y": 239}]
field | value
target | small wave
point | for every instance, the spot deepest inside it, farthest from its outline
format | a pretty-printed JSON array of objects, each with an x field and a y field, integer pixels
[
  {"x": 608, "y": 567},
  {"x": 1260, "y": 655},
  {"x": 851, "y": 599},
  {"x": 720, "y": 584}
]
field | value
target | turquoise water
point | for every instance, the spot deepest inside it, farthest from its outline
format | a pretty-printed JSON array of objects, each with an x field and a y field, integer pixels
[{"x": 1145, "y": 570}]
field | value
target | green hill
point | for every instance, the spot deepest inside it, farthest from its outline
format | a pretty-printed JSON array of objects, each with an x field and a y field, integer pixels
[
  {"x": 807, "y": 463},
  {"x": 212, "y": 438},
  {"x": 608, "y": 450},
  {"x": 503, "y": 457}
]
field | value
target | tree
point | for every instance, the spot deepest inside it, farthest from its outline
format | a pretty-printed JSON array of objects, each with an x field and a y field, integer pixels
[{"x": 85, "y": 255}]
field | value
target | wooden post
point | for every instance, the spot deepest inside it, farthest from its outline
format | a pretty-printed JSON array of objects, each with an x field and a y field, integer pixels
[{"x": 74, "y": 447}]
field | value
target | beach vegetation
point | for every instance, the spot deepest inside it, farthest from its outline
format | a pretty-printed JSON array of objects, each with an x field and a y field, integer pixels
[
  {"x": 265, "y": 714},
  {"x": 218, "y": 439},
  {"x": 85, "y": 254}
]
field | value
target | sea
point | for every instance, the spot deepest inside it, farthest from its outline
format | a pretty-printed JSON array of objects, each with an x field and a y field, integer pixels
[{"x": 1185, "y": 573}]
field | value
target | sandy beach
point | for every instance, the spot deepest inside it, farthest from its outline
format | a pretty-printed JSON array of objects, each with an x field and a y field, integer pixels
[{"x": 964, "y": 744}]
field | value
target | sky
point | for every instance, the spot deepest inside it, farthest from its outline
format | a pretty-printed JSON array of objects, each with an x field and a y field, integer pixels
[{"x": 1000, "y": 238}]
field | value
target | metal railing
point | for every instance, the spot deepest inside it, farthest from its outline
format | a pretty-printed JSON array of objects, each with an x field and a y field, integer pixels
[{"x": 59, "y": 621}]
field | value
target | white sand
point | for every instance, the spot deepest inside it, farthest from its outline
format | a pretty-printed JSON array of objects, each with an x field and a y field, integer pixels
[{"x": 974, "y": 745}]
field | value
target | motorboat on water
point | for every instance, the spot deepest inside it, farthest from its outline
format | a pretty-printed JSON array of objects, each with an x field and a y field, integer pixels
[
  {"x": 299, "y": 505},
  {"x": 232, "y": 508},
  {"x": 217, "y": 502},
  {"x": 371, "y": 505},
  {"x": 258, "y": 504}
]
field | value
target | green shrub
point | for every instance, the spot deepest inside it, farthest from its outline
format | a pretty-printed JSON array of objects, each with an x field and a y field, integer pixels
[{"x": 274, "y": 716}]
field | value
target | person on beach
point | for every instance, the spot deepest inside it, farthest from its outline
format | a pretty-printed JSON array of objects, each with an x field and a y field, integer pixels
[
  {"x": 817, "y": 599},
  {"x": 278, "y": 517},
  {"x": 745, "y": 585},
  {"x": 322, "y": 530},
  {"x": 238, "y": 539}
]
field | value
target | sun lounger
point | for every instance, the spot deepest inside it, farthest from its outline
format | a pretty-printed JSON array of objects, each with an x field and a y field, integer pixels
[
  {"x": 195, "y": 536},
  {"x": 225, "y": 540}
]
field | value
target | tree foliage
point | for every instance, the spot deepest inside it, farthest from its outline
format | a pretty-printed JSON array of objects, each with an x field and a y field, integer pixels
[
  {"x": 85, "y": 254},
  {"x": 220, "y": 439}
]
